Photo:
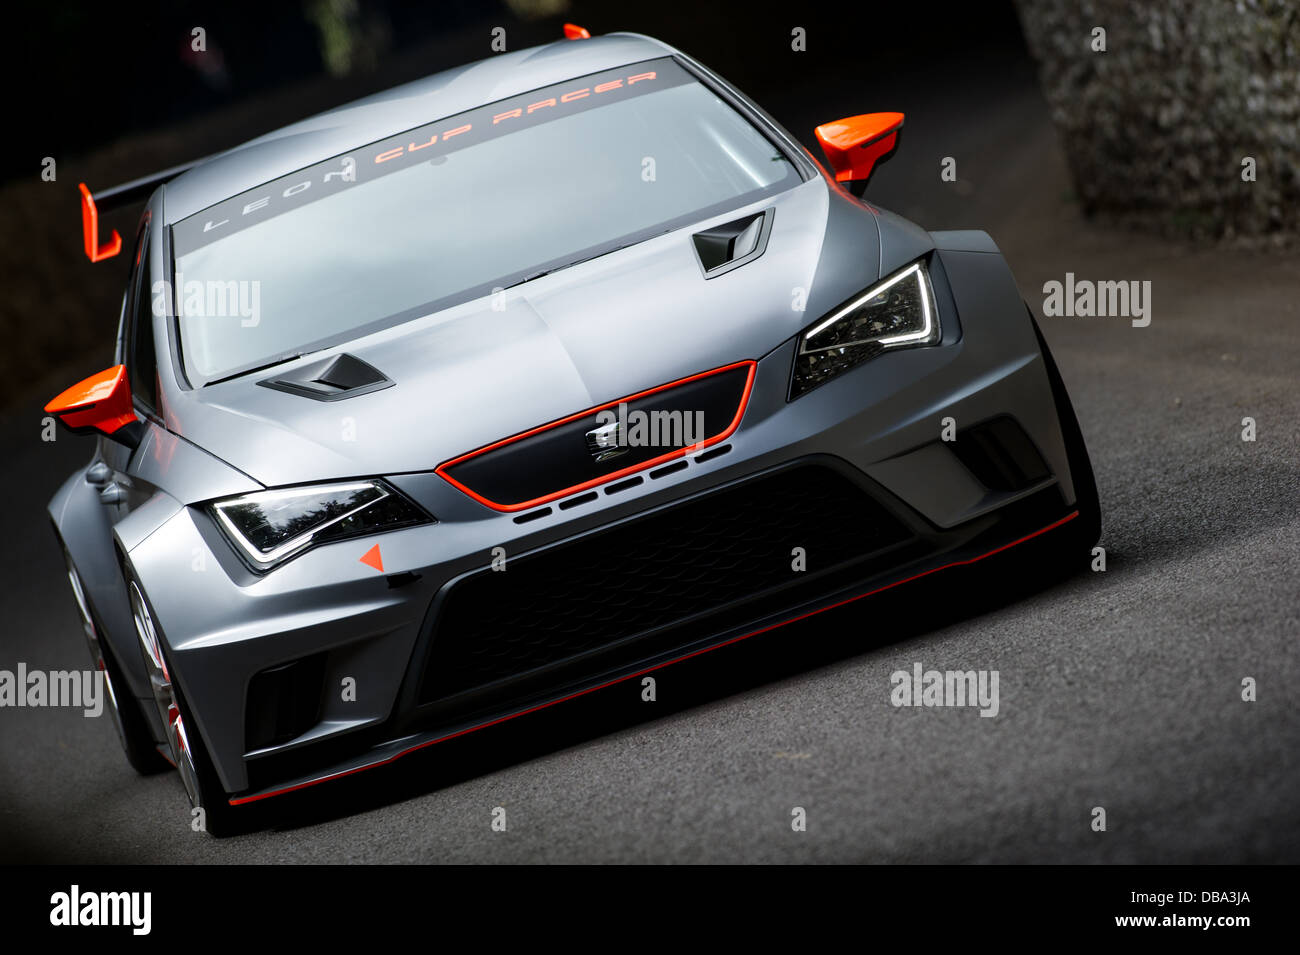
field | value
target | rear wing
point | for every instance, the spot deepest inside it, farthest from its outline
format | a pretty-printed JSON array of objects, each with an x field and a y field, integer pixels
[{"x": 115, "y": 197}]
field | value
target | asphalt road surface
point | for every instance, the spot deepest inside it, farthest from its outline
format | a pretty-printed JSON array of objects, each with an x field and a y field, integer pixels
[{"x": 1119, "y": 689}]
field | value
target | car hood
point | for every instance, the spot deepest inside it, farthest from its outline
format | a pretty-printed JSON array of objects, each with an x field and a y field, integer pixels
[{"x": 487, "y": 369}]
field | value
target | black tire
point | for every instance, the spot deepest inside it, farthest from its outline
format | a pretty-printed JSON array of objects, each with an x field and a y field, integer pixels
[
  {"x": 1076, "y": 539},
  {"x": 189, "y": 754},
  {"x": 131, "y": 724},
  {"x": 219, "y": 817},
  {"x": 138, "y": 744}
]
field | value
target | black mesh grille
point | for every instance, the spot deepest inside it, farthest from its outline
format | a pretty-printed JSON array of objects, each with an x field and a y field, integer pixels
[
  {"x": 557, "y": 457},
  {"x": 659, "y": 572}
]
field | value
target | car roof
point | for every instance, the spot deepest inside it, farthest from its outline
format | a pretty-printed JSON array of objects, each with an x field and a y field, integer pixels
[{"x": 403, "y": 107}]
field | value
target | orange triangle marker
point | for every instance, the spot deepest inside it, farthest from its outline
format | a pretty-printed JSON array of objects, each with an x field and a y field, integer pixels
[{"x": 373, "y": 558}]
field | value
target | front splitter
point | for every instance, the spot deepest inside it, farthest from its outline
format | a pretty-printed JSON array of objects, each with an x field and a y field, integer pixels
[{"x": 394, "y": 750}]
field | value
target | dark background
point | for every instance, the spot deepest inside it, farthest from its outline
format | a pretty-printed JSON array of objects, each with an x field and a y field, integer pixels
[{"x": 102, "y": 72}]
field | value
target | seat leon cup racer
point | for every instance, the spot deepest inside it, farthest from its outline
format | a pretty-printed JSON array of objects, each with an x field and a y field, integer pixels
[{"x": 515, "y": 382}]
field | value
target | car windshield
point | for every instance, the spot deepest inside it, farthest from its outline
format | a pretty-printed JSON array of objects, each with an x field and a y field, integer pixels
[{"x": 452, "y": 210}]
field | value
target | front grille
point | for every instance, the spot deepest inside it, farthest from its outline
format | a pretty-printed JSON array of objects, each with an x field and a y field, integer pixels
[
  {"x": 659, "y": 574},
  {"x": 566, "y": 456}
]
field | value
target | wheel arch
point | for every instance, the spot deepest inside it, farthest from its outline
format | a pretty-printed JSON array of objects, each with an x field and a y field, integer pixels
[{"x": 81, "y": 525}]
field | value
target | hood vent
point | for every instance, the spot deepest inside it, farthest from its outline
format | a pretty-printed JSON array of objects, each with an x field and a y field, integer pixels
[
  {"x": 732, "y": 244},
  {"x": 337, "y": 377}
]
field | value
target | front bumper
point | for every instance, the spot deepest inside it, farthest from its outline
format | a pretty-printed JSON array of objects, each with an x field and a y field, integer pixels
[{"x": 378, "y": 640}]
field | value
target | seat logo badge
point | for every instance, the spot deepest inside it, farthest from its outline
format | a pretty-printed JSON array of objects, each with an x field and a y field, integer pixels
[{"x": 606, "y": 441}]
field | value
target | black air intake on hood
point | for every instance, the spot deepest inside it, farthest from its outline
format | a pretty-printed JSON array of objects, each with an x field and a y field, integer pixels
[
  {"x": 726, "y": 246},
  {"x": 339, "y": 376}
]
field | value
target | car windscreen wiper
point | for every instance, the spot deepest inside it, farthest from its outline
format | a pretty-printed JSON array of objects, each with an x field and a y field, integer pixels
[
  {"x": 577, "y": 261},
  {"x": 260, "y": 367}
]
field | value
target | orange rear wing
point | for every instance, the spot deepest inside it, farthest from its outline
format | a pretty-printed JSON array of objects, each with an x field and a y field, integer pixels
[{"x": 113, "y": 197}]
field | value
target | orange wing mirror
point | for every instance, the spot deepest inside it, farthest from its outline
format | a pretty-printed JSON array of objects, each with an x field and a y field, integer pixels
[
  {"x": 100, "y": 405},
  {"x": 854, "y": 146}
]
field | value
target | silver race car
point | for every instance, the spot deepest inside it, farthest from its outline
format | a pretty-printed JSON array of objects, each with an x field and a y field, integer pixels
[{"x": 517, "y": 381}]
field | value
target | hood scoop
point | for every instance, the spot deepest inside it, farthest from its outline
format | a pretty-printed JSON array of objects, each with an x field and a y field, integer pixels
[
  {"x": 732, "y": 244},
  {"x": 335, "y": 378}
]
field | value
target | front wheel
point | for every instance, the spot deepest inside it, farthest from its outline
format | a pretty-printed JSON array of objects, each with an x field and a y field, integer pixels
[
  {"x": 192, "y": 761},
  {"x": 132, "y": 728}
]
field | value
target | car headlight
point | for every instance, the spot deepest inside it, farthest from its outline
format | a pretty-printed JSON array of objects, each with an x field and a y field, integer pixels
[
  {"x": 895, "y": 313},
  {"x": 270, "y": 527}
]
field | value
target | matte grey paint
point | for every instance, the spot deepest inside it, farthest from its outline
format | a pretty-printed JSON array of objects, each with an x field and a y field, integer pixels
[{"x": 967, "y": 240}]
